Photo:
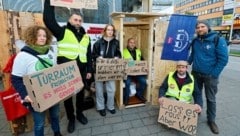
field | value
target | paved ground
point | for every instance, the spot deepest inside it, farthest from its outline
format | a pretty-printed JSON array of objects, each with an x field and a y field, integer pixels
[{"x": 143, "y": 120}]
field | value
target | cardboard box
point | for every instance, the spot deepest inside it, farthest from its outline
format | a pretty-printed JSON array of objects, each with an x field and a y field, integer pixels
[
  {"x": 178, "y": 115},
  {"x": 52, "y": 85}
]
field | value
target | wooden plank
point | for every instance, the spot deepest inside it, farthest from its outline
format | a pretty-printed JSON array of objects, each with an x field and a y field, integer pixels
[
  {"x": 5, "y": 46},
  {"x": 139, "y": 14},
  {"x": 161, "y": 67}
]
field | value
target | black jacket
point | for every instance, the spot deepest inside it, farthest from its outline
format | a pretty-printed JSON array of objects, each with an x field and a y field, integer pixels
[
  {"x": 106, "y": 49},
  {"x": 58, "y": 32}
]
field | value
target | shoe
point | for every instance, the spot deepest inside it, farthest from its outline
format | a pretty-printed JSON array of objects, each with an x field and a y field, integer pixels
[
  {"x": 102, "y": 112},
  {"x": 213, "y": 126},
  {"x": 141, "y": 98},
  {"x": 112, "y": 111},
  {"x": 57, "y": 134},
  {"x": 71, "y": 126},
  {"x": 82, "y": 119}
]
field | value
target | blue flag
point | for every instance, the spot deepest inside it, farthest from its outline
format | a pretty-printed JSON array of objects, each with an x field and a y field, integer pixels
[{"x": 180, "y": 32}]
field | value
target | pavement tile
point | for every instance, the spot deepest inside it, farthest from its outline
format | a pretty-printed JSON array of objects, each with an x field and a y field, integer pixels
[
  {"x": 122, "y": 126},
  {"x": 139, "y": 131},
  {"x": 113, "y": 120},
  {"x": 101, "y": 129},
  {"x": 137, "y": 123},
  {"x": 128, "y": 117},
  {"x": 119, "y": 133}
]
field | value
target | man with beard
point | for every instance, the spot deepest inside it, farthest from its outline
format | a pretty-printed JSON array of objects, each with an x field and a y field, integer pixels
[
  {"x": 208, "y": 57},
  {"x": 180, "y": 86},
  {"x": 73, "y": 44}
]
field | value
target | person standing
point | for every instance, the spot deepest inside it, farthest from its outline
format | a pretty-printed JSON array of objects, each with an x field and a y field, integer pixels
[
  {"x": 181, "y": 86},
  {"x": 106, "y": 47},
  {"x": 37, "y": 40},
  {"x": 73, "y": 44},
  {"x": 208, "y": 57},
  {"x": 133, "y": 54}
]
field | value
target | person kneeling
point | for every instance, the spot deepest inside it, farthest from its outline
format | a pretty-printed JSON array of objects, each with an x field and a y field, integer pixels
[{"x": 180, "y": 86}]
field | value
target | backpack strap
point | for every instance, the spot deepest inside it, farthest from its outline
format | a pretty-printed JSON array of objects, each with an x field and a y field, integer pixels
[{"x": 44, "y": 62}]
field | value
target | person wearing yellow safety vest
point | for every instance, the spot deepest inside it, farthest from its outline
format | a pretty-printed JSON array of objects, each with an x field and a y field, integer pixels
[
  {"x": 133, "y": 53},
  {"x": 180, "y": 86},
  {"x": 73, "y": 44},
  {"x": 106, "y": 47}
]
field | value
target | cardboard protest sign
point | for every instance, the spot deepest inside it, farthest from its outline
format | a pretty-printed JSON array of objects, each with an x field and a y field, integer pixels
[
  {"x": 178, "y": 115},
  {"x": 137, "y": 68},
  {"x": 110, "y": 69},
  {"x": 78, "y": 4},
  {"x": 49, "y": 86}
]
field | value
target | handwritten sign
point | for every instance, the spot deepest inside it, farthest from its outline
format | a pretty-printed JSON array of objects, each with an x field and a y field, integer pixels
[
  {"x": 137, "y": 68},
  {"x": 49, "y": 86},
  {"x": 110, "y": 69},
  {"x": 178, "y": 115},
  {"x": 78, "y": 4}
]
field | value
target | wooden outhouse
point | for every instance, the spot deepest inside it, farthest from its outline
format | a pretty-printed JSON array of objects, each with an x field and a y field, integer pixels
[{"x": 142, "y": 27}]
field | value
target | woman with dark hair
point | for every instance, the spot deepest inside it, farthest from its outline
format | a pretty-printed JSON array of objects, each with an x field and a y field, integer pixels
[
  {"x": 36, "y": 55},
  {"x": 106, "y": 47}
]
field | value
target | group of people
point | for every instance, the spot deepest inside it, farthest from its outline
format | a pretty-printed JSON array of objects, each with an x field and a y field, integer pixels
[
  {"x": 74, "y": 44},
  {"x": 208, "y": 59}
]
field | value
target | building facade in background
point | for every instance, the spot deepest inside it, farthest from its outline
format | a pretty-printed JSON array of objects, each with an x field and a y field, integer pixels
[{"x": 220, "y": 14}]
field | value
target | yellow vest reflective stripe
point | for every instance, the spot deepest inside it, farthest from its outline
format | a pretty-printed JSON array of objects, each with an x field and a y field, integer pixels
[
  {"x": 70, "y": 48},
  {"x": 127, "y": 55},
  {"x": 185, "y": 94}
]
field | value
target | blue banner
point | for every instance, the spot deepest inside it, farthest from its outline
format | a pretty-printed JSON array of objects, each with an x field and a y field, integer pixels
[{"x": 180, "y": 32}]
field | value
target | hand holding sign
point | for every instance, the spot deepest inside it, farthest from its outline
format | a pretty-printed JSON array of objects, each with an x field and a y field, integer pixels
[{"x": 178, "y": 115}]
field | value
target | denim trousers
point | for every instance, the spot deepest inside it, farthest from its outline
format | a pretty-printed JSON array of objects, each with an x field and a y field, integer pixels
[
  {"x": 110, "y": 89},
  {"x": 141, "y": 85},
  {"x": 39, "y": 120},
  {"x": 210, "y": 85}
]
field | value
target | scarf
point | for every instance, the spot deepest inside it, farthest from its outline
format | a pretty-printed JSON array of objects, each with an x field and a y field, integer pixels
[{"x": 42, "y": 49}]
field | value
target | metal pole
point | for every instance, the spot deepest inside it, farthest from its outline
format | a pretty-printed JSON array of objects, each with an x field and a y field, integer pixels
[
  {"x": 114, "y": 7},
  {"x": 231, "y": 29}
]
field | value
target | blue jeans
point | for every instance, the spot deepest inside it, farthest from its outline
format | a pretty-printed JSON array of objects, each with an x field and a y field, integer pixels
[
  {"x": 141, "y": 85},
  {"x": 211, "y": 89},
  {"x": 39, "y": 120}
]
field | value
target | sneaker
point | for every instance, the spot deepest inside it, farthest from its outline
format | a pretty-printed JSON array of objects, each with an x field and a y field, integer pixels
[
  {"x": 82, "y": 119},
  {"x": 112, "y": 111},
  {"x": 71, "y": 126},
  {"x": 213, "y": 126},
  {"x": 102, "y": 112}
]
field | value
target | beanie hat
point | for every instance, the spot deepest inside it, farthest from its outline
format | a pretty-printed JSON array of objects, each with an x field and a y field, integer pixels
[
  {"x": 182, "y": 63},
  {"x": 205, "y": 23}
]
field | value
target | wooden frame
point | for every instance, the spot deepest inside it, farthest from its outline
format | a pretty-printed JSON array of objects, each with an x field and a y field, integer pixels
[{"x": 140, "y": 26}]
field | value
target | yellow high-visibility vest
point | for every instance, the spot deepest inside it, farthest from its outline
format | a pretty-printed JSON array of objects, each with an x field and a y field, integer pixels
[
  {"x": 70, "y": 48},
  {"x": 127, "y": 54},
  {"x": 185, "y": 94}
]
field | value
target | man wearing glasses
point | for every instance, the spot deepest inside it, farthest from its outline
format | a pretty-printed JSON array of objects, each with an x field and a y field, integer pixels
[{"x": 73, "y": 44}]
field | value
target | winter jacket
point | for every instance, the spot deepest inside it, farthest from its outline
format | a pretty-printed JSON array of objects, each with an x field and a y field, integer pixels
[
  {"x": 208, "y": 58},
  {"x": 106, "y": 49},
  {"x": 197, "y": 95},
  {"x": 58, "y": 32}
]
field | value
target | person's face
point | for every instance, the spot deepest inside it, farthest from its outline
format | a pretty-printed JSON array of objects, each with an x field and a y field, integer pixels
[
  {"x": 109, "y": 31},
  {"x": 131, "y": 44},
  {"x": 76, "y": 21},
  {"x": 41, "y": 37},
  {"x": 201, "y": 29},
  {"x": 181, "y": 69}
]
